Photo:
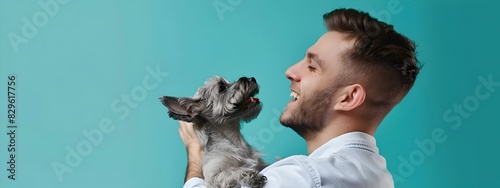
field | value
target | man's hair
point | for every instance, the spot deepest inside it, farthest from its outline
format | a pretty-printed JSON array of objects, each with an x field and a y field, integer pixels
[{"x": 380, "y": 58}]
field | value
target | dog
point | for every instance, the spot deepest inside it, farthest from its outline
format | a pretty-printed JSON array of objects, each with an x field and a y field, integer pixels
[{"x": 217, "y": 110}]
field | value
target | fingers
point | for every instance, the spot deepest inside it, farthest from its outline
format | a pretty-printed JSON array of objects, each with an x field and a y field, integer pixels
[
  {"x": 182, "y": 135},
  {"x": 186, "y": 129},
  {"x": 187, "y": 133},
  {"x": 183, "y": 131},
  {"x": 184, "y": 123}
]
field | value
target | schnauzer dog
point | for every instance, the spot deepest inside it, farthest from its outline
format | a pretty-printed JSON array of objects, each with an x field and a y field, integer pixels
[{"x": 216, "y": 110}]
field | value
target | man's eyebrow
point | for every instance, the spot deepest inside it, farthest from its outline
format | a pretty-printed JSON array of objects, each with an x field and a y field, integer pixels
[{"x": 315, "y": 58}]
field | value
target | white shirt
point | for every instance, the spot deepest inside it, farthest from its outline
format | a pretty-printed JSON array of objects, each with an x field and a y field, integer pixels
[{"x": 350, "y": 160}]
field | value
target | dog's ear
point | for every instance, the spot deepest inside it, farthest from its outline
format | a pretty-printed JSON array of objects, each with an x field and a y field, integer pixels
[{"x": 180, "y": 108}]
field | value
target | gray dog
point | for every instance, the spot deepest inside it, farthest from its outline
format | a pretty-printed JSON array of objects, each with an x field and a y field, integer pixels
[{"x": 216, "y": 110}]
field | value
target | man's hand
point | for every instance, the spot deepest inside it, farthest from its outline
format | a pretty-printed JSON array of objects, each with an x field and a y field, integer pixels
[
  {"x": 189, "y": 137},
  {"x": 193, "y": 148}
]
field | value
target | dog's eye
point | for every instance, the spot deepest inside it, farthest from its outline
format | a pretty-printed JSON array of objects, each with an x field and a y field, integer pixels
[{"x": 222, "y": 87}]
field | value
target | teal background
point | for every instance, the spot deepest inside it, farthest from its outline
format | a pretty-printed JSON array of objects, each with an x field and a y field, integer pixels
[{"x": 92, "y": 52}]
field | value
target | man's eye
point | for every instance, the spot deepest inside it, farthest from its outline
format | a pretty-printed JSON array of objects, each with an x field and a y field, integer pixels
[
  {"x": 222, "y": 88},
  {"x": 311, "y": 68}
]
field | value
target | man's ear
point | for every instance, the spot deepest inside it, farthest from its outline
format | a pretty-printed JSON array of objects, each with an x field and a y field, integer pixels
[
  {"x": 180, "y": 108},
  {"x": 351, "y": 97}
]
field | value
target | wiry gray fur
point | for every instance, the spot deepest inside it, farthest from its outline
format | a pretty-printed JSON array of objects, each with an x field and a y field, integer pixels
[{"x": 216, "y": 111}]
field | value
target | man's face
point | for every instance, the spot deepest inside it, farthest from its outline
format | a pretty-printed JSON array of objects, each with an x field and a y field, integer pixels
[{"x": 315, "y": 79}]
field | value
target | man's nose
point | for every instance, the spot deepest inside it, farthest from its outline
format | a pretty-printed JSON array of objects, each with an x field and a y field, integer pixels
[{"x": 292, "y": 73}]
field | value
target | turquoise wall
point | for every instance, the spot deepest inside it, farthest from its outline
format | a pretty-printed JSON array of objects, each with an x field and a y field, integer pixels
[{"x": 89, "y": 73}]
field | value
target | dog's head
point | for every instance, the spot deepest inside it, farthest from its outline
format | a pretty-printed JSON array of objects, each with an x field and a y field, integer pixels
[{"x": 218, "y": 101}]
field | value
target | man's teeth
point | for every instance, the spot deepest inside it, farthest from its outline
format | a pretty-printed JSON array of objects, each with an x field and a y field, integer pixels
[{"x": 296, "y": 96}]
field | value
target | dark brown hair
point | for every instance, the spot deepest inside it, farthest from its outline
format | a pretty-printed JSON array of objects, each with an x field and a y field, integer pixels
[{"x": 380, "y": 54}]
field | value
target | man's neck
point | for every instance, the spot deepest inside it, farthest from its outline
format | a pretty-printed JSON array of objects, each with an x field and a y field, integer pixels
[{"x": 336, "y": 129}]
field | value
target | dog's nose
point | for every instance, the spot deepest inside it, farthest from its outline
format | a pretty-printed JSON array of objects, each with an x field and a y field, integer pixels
[
  {"x": 252, "y": 79},
  {"x": 246, "y": 79}
]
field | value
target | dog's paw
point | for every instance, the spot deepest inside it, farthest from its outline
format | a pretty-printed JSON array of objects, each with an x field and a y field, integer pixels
[{"x": 257, "y": 180}]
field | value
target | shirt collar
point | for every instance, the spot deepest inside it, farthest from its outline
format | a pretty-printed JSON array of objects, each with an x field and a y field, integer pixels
[{"x": 358, "y": 140}]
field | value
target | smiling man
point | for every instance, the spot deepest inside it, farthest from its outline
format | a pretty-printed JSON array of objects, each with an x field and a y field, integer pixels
[{"x": 348, "y": 81}]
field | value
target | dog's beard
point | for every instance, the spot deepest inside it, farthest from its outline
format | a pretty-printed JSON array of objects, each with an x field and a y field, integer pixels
[{"x": 309, "y": 116}]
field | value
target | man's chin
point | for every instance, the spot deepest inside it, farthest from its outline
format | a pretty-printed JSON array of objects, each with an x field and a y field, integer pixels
[
  {"x": 286, "y": 116},
  {"x": 287, "y": 120},
  {"x": 295, "y": 126},
  {"x": 283, "y": 119},
  {"x": 299, "y": 124}
]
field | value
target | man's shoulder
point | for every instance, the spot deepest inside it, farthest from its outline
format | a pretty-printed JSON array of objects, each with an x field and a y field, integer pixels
[
  {"x": 291, "y": 160},
  {"x": 307, "y": 162},
  {"x": 298, "y": 164},
  {"x": 354, "y": 167},
  {"x": 293, "y": 171},
  {"x": 345, "y": 167}
]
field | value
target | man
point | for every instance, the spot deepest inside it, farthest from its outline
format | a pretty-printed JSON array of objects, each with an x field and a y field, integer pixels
[{"x": 348, "y": 81}]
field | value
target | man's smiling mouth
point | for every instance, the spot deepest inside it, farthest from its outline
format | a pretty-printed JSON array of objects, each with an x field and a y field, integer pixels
[{"x": 295, "y": 95}]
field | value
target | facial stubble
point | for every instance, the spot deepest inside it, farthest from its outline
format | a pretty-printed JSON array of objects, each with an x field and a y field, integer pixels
[{"x": 310, "y": 115}]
